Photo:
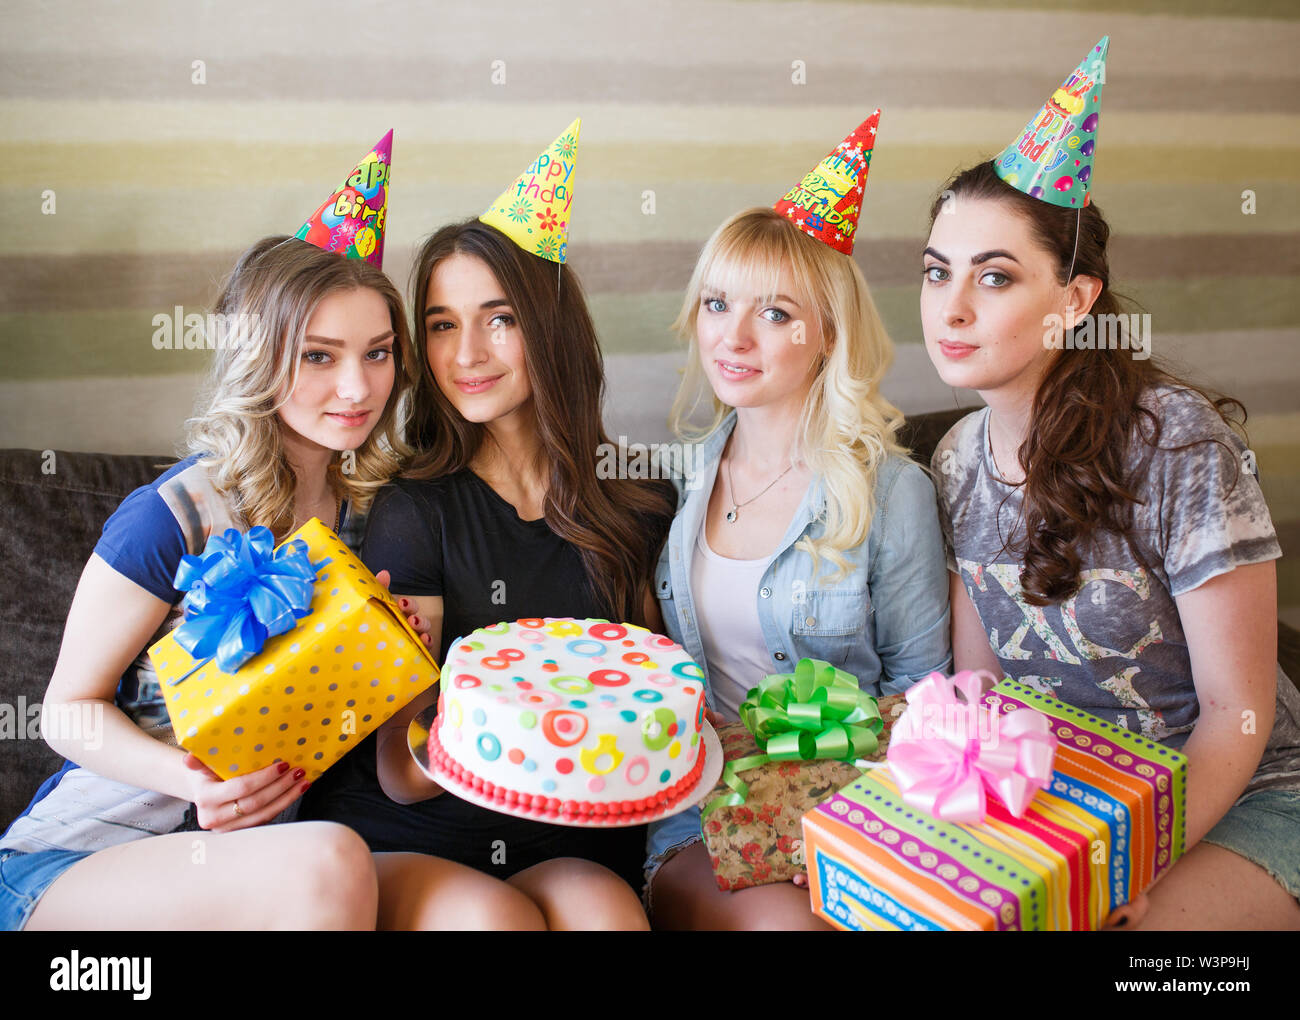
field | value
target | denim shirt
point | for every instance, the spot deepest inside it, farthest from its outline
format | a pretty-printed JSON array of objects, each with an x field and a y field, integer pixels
[{"x": 886, "y": 621}]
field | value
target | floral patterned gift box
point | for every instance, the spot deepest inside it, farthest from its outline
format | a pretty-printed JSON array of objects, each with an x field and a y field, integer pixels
[{"x": 755, "y": 837}]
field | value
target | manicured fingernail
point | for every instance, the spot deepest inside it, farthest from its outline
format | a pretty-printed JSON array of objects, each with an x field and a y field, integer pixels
[
  {"x": 284, "y": 767},
  {"x": 306, "y": 787},
  {"x": 403, "y": 603},
  {"x": 299, "y": 773}
]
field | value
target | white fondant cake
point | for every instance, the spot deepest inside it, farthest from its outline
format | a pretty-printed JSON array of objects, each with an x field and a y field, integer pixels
[{"x": 580, "y": 720}]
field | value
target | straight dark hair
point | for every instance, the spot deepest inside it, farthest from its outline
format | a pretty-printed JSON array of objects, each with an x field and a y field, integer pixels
[
  {"x": 1088, "y": 411},
  {"x": 617, "y": 525}
]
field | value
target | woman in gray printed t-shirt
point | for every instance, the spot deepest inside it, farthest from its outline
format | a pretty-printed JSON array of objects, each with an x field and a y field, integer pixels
[{"x": 1108, "y": 541}]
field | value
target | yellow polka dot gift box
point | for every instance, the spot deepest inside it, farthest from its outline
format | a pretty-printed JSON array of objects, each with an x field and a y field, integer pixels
[
  {"x": 293, "y": 652},
  {"x": 1006, "y": 811}
]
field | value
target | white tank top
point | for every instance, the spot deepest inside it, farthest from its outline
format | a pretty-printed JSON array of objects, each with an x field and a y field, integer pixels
[{"x": 725, "y": 592}]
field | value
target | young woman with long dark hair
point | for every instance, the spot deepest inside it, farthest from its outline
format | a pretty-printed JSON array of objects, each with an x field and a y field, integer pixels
[
  {"x": 1108, "y": 541},
  {"x": 501, "y": 516}
]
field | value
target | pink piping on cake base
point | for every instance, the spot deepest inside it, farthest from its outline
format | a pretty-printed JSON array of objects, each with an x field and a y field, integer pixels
[{"x": 631, "y": 811}]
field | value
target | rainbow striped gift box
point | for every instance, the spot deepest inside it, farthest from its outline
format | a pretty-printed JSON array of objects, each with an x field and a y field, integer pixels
[{"x": 1108, "y": 825}]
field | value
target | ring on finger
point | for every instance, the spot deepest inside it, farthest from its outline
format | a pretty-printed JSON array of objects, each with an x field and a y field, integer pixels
[{"x": 238, "y": 811}]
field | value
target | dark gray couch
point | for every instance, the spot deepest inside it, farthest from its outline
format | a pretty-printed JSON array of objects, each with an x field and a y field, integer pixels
[{"x": 52, "y": 507}]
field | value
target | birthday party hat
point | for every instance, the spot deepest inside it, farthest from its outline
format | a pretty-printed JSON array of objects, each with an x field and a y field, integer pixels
[
  {"x": 827, "y": 202},
  {"x": 1052, "y": 158},
  {"x": 534, "y": 211},
  {"x": 351, "y": 222}
]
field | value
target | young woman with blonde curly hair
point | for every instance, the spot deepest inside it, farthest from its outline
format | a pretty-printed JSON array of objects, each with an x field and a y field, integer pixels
[
  {"x": 805, "y": 530},
  {"x": 313, "y": 364}
]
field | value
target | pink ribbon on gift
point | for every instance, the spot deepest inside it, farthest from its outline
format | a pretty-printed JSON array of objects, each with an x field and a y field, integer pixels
[{"x": 946, "y": 753}]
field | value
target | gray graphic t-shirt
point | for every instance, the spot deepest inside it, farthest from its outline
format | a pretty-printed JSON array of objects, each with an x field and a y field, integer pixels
[{"x": 1116, "y": 648}]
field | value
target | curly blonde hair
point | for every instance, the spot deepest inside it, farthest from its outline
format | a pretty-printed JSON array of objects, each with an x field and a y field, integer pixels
[
  {"x": 846, "y": 428},
  {"x": 265, "y": 305}
]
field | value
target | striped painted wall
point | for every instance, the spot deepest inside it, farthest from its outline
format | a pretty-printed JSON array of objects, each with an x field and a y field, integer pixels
[{"x": 158, "y": 180}]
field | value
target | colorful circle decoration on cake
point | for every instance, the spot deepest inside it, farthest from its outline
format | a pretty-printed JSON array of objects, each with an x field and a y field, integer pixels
[{"x": 576, "y": 721}]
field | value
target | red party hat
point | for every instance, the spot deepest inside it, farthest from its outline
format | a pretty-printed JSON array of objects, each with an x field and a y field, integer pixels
[{"x": 827, "y": 202}]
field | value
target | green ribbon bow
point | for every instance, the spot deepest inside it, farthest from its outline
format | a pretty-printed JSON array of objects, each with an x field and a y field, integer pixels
[{"x": 817, "y": 711}]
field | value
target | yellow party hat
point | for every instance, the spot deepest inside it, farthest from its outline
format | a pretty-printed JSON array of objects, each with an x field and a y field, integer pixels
[{"x": 534, "y": 211}]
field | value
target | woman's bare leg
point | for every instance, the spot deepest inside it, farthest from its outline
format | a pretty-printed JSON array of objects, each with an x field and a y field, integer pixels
[
  {"x": 579, "y": 895},
  {"x": 1214, "y": 888},
  {"x": 306, "y": 875},
  {"x": 422, "y": 893},
  {"x": 687, "y": 898}
]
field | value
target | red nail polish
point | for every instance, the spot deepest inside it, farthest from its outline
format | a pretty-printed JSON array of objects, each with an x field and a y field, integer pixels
[
  {"x": 299, "y": 773},
  {"x": 306, "y": 787},
  {"x": 284, "y": 767}
]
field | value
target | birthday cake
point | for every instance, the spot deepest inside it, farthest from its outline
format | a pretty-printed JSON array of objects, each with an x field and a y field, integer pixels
[{"x": 569, "y": 720}]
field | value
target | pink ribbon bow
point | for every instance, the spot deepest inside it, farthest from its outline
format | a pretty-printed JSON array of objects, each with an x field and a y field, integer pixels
[{"x": 945, "y": 753}]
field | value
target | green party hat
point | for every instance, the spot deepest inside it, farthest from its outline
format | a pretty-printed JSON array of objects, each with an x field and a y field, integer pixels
[{"x": 1052, "y": 158}]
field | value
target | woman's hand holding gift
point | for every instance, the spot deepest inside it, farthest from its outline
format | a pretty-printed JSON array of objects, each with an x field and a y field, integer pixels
[
  {"x": 1129, "y": 915},
  {"x": 420, "y": 624},
  {"x": 243, "y": 802}
]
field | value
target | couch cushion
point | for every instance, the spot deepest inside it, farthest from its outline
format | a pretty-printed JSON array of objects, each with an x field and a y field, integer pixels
[
  {"x": 921, "y": 434},
  {"x": 52, "y": 507}
]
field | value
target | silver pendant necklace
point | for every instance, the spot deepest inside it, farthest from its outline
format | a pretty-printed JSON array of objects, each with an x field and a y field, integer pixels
[{"x": 734, "y": 512}]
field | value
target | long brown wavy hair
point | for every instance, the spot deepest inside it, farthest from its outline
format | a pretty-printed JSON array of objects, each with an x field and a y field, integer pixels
[
  {"x": 617, "y": 525},
  {"x": 1087, "y": 413}
]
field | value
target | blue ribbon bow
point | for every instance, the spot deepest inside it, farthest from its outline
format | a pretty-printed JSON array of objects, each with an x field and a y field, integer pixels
[{"x": 242, "y": 591}]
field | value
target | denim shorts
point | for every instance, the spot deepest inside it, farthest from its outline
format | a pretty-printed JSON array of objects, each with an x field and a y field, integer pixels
[
  {"x": 1264, "y": 828},
  {"x": 24, "y": 877},
  {"x": 666, "y": 838}
]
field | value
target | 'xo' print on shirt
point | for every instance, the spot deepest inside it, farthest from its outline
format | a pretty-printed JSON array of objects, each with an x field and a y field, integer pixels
[{"x": 1073, "y": 647}]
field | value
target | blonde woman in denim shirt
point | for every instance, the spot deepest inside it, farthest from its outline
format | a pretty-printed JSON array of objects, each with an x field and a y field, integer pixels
[{"x": 802, "y": 527}]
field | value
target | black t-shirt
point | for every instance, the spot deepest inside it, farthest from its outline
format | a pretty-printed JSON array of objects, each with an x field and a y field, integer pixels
[{"x": 456, "y": 537}]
